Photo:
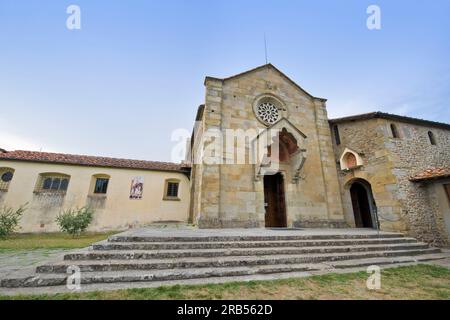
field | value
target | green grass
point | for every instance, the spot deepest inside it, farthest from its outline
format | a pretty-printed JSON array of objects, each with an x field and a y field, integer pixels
[
  {"x": 412, "y": 282},
  {"x": 50, "y": 241}
]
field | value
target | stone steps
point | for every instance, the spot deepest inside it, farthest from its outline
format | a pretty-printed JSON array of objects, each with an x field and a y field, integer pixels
[
  {"x": 227, "y": 238},
  {"x": 119, "y": 265},
  {"x": 109, "y": 245},
  {"x": 158, "y": 256},
  {"x": 173, "y": 254},
  {"x": 130, "y": 276}
]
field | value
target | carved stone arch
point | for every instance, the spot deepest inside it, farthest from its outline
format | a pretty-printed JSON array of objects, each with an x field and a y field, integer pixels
[
  {"x": 350, "y": 160},
  {"x": 281, "y": 142}
]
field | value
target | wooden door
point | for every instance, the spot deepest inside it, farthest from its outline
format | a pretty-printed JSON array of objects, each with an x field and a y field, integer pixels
[
  {"x": 274, "y": 201},
  {"x": 356, "y": 209},
  {"x": 361, "y": 206}
]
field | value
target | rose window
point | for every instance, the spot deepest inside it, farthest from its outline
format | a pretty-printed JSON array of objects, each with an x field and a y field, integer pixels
[{"x": 267, "y": 112}]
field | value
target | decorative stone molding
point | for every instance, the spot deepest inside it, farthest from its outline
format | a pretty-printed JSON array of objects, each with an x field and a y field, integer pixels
[
  {"x": 350, "y": 160},
  {"x": 269, "y": 164}
]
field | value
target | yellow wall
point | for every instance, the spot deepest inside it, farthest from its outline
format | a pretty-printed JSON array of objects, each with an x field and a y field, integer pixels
[{"x": 119, "y": 211}]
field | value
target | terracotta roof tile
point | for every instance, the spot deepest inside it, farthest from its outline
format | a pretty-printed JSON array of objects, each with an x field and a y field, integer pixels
[
  {"x": 82, "y": 160},
  {"x": 432, "y": 173}
]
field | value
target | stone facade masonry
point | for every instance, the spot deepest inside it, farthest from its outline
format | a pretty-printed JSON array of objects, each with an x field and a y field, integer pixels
[
  {"x": 412, "y": 153},
  {"x": 388, "y": 165},
  {"x": 230, "y": 194}
]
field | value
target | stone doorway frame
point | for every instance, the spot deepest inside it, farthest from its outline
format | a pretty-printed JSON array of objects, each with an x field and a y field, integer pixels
[
  {"x": 366, "y": 186},
  {"x": 269, "y": 165}
]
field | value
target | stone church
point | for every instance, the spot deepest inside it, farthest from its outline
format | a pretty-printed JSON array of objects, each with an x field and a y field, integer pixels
[
  {"x": 369, "y": 171},
  {"x": 263, "y": 153}
]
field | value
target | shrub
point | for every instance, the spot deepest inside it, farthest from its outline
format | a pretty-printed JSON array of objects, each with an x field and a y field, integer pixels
[
  {"x": 9, "y": 219},
  {"x": 75, "y": 221}
]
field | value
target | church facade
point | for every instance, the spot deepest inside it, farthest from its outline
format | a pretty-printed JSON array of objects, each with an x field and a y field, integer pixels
[
  {"x": 263, "y": 153},
  {"x": 304, "y": 192},
  {"x": 303, "y": 170}
]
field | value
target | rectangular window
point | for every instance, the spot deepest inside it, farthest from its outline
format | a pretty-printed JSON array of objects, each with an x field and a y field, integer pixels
[
  {"x": 447, "y": 189},
  {"x": 337, "y": 137},
  {"x": 172, "y": 189},
  {"x": 101, "y": 186}
]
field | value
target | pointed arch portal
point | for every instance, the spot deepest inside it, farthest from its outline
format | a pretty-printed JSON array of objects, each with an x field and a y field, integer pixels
[
  {"x": 364, "y": 208},
  {"x": 280, "y": 143}
]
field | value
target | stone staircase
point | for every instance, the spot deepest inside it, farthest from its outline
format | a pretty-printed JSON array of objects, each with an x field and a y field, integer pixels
[{"x": 129, "y": 258}]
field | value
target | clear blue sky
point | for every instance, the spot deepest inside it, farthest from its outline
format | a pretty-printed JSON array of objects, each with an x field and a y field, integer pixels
[{"x": 135, "y": 70}]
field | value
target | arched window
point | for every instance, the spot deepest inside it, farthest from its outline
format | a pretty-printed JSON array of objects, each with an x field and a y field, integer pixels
[
  {"x": 52, "y": 182},
  {"x": 394, "y": 131},
  {"x": 431, "y": 138},
  {"x": 6, "y": 175}
]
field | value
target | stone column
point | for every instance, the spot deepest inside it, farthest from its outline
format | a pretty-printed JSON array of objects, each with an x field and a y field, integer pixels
[
  {"x": 210, "y": 184},
  {"x": 329, "y": 170}
]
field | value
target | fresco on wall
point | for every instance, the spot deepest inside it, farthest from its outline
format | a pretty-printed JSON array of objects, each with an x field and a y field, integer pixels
[{"x": 137, "y": 187}]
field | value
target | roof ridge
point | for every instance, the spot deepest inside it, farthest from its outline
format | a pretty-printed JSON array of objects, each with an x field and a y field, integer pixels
[
  {"x": 87, "y": 155},
  {"x": 93, "y": 161},
  {"x": 269, "y": 65}
]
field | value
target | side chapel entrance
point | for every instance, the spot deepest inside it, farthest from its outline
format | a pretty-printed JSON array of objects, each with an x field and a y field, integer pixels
[{"x": 363, "y": 204}]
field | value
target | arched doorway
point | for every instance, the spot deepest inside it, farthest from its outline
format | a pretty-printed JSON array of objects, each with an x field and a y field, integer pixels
[
  {"x": 364, "y": 208},
  {"x": 274, "y": 201}
]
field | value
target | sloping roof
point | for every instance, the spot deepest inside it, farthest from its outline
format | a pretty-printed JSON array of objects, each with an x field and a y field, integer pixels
[
  {"x": 431, "y": 174},
  {"x": 269, "y": 65},
  {"x": 92, "y": 161},
  {"x": 393, "y": 117}
]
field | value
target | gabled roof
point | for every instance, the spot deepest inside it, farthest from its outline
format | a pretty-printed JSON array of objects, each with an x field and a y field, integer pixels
[
  {"x": 431, "y": 174},
  {"x": 392, "y": 117},
  {"x": 269, "y": 65},
  {"x": 91, "y": 161}
]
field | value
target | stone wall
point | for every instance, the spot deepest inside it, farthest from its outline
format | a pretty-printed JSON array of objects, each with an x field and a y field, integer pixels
[
  {"x": 412, "y": 153},
  {"x": 367, "y": 138},
  {"x": 388, "y": 164},
  {"x": 440, "y": 208}
]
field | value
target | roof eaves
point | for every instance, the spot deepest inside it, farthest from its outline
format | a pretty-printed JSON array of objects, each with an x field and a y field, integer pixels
[{"x": 389, "y": 116}]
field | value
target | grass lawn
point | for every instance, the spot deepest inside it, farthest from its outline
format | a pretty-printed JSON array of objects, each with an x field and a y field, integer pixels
[
  {"x": 50, "y": 241},
  {"x": 413, "y": 282}
]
